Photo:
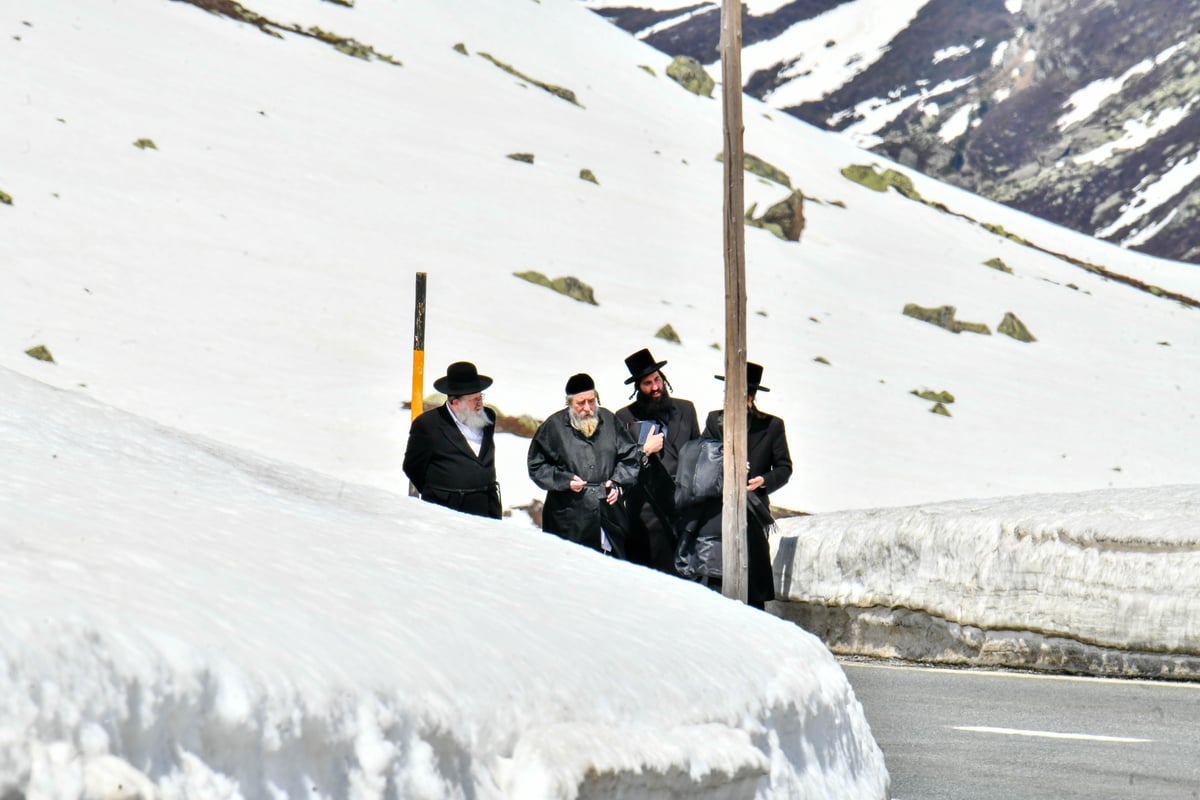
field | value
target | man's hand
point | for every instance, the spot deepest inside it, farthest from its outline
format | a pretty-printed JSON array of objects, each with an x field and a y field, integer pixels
[
  {"x": 654, "y": 441},
  {"x": 755, "y": 483},
  {"x": 614, "y": 493},
  {"x": 577, "y": 484}
]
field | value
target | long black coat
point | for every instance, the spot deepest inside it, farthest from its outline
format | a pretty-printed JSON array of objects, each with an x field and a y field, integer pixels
[
  {"x": 558, "y": 452},
  {"x": 678, "y": 417},
  {"x": 444, "y": 468},
  {"x": 766, "y": 443},
  {"x": 769, "y": 457},
  {"x": 651, "y": 506}
]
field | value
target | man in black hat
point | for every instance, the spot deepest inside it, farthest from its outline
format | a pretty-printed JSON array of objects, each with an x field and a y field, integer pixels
[
  {"x": 669, "y": 422},
  {"x": 583, "y": 458},
  {"x": 450, "y": 456},
  {"x": 770, "y": 467}
]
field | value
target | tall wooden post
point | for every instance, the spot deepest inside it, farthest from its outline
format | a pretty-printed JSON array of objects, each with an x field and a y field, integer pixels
[
  {"x": 418, "y": 367},
  {"x": 735, "y": 580}
]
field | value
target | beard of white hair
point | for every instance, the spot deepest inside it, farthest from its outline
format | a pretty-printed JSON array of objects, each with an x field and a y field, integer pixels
[
  {"x": 586, "y": 426},
  {"x": 475, "y": 419}
]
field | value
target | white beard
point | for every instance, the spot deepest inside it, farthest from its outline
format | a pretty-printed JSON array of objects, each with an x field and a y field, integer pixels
[
  {"x": 585, "y": 426},
  {"x": 475, "y": 420}
]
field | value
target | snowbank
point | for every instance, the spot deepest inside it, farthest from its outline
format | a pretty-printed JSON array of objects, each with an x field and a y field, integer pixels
[
  {"x": 1105, "y": 581},
  {"x": 181, "y": 619}
]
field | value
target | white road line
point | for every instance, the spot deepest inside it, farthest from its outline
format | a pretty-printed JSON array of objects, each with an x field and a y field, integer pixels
[{"x": 1049, "y": 734}]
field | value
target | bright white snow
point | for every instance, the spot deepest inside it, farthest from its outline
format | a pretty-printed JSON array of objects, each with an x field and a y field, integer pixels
[
  {"x": 832, "y": 47},
  {"x": 1117, "y": 569},
  {"x": 181, "y": 619},
  {"x": 1137, "y": 132},
  {"x": 214, "y": 583},
  {"x": 1152, "y": 194}
]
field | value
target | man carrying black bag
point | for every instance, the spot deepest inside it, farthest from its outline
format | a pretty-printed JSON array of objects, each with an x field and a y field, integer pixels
[
  {"x": 661, "y": 424},
  {"x": 699, "y": 495}
]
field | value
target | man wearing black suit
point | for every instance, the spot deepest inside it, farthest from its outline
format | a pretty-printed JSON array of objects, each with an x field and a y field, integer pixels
[
  {"x": 651, "y": 501},
  {"x": 450, "y": 457},
  {"x": 770, "y": 467}
]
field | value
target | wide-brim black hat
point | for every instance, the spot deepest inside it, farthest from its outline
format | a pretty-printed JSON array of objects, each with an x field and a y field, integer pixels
[
  {"x": 461, "y": 378},
  {"x": 641, "y": 364},
  {"x": 753, "y": 376}
]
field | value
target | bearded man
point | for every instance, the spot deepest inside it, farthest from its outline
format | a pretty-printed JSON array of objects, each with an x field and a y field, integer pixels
[
  {"x": 584, "y": 458},
  {"x": 669, "y": 422},
  {"x": 450, "y": 457}
]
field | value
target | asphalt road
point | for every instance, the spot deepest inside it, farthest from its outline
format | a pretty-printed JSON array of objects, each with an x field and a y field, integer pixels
[{"x": 983, "y": 735}]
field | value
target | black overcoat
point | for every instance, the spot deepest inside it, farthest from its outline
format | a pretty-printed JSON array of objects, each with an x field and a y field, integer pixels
[
  {"x": 677, "y": 416},
  {"x": 558, "y": 452},
  {"x": 768, "y": 454},
  {"x": 652, "y": 512},
  {"x": 444, "y": 468},
  {"x": 766, "y": 445}
]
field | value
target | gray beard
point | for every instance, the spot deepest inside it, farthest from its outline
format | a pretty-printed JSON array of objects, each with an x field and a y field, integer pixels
[
  {"x": 475, "y": 420},
  {"x": 585, "y": 426}
]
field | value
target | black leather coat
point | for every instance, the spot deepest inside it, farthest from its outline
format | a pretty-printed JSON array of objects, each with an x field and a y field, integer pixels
[{"x": 558, "y": 452}]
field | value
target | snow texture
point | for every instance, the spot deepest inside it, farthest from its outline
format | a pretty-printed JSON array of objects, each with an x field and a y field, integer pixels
[
  {"x": 182, "y": 619},
  {"x": 214, "y": 587}
]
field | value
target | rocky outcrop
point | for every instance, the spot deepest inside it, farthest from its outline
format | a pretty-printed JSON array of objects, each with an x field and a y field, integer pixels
[
  {"x": 785, "y": 219},
  {"x": 943, "y": 317},
  {"x": 570, "y": 286},
  {"x": 689, "y": 73},
  {"x": 1082, "y": 113}
]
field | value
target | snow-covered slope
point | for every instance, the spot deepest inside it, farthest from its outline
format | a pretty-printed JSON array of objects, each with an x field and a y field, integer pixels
[
  {"x": 179, "y": 618},
  {"x": 251, "y": 278},
  {"x": 1083, "y": 113}
]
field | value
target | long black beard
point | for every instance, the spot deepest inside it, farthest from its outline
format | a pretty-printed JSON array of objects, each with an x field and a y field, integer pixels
[{"x": 649, "y": 407}]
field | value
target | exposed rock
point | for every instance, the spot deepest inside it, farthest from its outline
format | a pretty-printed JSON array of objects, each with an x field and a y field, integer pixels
[
  {"x": 785, "y": 219},
  {"x": 145, "y": 144},
  {"x": 534, "y": 510},
  {"x": 347, "y": 45},
  {"x": 943, "y": 317},
  {"x": 5, "y": 198},
  {"x": 689, "y": 73},
  {"x": 587, "y": 175},
  {"x": 763, "y": 169},
  {"x": 570, "y": 286},
  {"x": 525, "y": 158},
  {"x": 668, "y": 333},
  {"x": 1011, "y": 73},
  {"x": 996, "y": 263},
  {"x": 461, "y": 48},
  {"x": 938, "y": 408},
  {"x": 935, "y": 397},
  {"x": 1011, "y": 326},
  {"x": 872, "y": 178},
  {"x": 524, "y": 426},
  {"x": 41, "y": 353},
  {"x": 557, "y": 91}
]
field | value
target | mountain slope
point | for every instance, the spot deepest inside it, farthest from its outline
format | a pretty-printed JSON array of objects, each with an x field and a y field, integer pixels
[
  {"x": 1082, "y": 113},
  {"x": 267, "y": 244}
]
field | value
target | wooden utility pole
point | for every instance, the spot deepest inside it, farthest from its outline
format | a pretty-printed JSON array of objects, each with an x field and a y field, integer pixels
[
  {"x": 418, "y": 367},
  {"x": 735, "y": 580}
]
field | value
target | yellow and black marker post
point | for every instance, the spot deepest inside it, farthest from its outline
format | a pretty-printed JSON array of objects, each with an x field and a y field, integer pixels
[{"x": 418, "y": 365}]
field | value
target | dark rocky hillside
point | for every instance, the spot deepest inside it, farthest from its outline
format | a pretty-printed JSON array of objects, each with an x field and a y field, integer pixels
[{"x": 1127, "y": 172}]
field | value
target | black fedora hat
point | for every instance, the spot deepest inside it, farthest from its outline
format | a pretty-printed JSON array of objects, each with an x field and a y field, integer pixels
[
  {"x": 641, "y": 364},
  {"x": 461, "y": 378},
  {"x": 753, "y": 376}
]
